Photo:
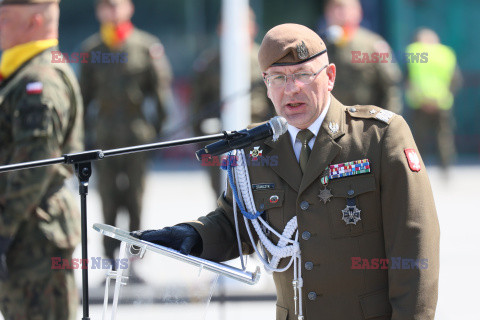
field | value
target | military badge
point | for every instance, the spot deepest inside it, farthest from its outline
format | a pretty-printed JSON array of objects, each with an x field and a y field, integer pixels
[
  {"x": 413, "y": 160},
  {"x": 372, "y": 111},
  {"x": 302, "y": 51},
  {"x": 325, "y": 194},
  {"x": 349, "y": 168},
  {"x": 333, "y": 127},
  {"x": 351, "y": 214},
  {"x": 274, "y": 199},
  {"x": 255, "y": 153}
]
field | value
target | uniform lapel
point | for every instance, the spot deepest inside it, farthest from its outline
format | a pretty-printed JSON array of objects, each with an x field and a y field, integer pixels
[
  {"x": 325, "y": 149},
  {"x": 287, "y": 168}
]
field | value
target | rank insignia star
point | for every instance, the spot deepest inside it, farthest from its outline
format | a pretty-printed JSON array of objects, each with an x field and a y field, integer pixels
[{"x": 255, "y": 153}]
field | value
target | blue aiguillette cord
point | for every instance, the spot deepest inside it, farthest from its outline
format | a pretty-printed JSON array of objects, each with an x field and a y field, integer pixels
[{"x": 229, "y": 169}]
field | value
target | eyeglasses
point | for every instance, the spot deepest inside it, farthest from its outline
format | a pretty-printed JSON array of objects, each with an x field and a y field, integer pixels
[{"x": 279, "y": 80}]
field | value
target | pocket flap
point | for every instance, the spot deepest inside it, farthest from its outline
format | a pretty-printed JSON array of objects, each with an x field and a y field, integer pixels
[
  {"x": 376, "y": 304},
  {"x": 266, "y": 199},
  {"x": 349, "y": 187}
]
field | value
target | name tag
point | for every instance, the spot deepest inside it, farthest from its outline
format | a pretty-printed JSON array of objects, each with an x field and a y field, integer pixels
[{"x": 263, "y": 186}]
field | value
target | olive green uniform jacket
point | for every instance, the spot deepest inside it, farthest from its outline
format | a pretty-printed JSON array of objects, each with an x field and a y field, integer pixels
[
  {"x": 398, "y": 221},
  {"x": 41, "y": 115}
]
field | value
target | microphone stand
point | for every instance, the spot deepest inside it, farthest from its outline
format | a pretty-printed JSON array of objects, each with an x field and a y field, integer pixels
[{"x": 82, "y": 163}]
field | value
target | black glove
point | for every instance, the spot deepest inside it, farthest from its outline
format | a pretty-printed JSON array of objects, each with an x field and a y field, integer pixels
[
  {"x": 182, "y": 237},
  {"x": 4, "y": 245}
]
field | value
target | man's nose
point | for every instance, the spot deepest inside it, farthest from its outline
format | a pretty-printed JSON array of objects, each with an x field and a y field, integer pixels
[{"x": 291, "y": 85}]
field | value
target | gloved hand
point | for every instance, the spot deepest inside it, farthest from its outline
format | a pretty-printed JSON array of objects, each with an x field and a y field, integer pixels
[
  {"x": 182, "y": 237},
  {"x": 4, "y": 245}
]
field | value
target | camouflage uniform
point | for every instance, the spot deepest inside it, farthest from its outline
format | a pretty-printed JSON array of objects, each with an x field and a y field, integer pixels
[
  {"x": 36, "y": 210},
  {"x": 119, "y": 90},
  {"x": 365, "y": 83},
  {"x": 206, "y": 97}
]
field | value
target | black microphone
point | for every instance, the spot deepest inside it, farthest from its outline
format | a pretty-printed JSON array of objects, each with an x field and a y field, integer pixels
[{"x": 241, "y": 139}]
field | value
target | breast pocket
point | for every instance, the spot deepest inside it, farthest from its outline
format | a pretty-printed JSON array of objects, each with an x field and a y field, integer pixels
[
  {"x": 271, "y": 203},
  {"x": 355, "y": 207}
]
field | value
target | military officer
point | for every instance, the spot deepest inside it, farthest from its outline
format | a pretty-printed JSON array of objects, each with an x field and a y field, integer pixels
[
  {"x": 367, "y": 71},
  {"x": 41, "y": 115},
  {"x": 352, "y": 179},
  {"x": 119, "y": 88}
]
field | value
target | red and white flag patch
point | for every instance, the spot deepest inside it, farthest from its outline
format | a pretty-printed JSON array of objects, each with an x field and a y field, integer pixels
[
  {"x": 34, "y": 87},
  {"x": 413, "y": 160}
]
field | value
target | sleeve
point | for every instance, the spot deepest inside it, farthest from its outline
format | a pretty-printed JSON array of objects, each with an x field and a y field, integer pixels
[
  {"x": 218, "y": 234},
  {"x": 160, "y": 81},
  {"x": 39, "y": 126},
  {"x": 410, "y": 224}
]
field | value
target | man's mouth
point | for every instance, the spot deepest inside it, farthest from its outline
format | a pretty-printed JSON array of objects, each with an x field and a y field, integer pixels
[{"x": 295, "y": 105}]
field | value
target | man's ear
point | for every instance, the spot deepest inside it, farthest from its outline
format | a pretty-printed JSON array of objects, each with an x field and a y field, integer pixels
[{"x": 331, "y": 74}]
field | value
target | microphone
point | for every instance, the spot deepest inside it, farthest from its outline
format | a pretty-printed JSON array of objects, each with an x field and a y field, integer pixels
[{"x": 241, "y": 139}]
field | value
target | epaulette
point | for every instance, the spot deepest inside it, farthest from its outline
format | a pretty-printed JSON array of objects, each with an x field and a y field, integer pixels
[{"x": 371, "y": 112}]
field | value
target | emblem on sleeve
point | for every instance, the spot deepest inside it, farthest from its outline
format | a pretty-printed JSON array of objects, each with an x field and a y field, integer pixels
[
  {"x": 34, "y": 88},
  {"x": 255, "y": 153},
  {"x": 413, "y": 160}
]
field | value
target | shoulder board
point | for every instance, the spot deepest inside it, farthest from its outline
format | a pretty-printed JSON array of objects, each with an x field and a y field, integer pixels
[{"x": 371, "y": 112}]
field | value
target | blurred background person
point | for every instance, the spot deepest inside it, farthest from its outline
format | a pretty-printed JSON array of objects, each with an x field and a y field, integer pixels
[
  {"x": 360, "y": 81},
  {"x": 431, "y": 84},
  {"x": 135, "y": 74},
  {"x": 41, "y": 115},
  {"x": 206, "y": 102}
]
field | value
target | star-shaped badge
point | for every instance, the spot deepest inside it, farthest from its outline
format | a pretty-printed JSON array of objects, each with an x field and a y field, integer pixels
[{"x": 325, "y": 195}]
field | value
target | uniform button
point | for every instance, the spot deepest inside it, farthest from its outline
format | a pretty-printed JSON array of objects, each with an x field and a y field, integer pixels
[
  {"x": 306, "y": 235},
  {"x": 304, "y": 205},
  {"x": 352, "y": 109},
  {"x": 312, "y": 296},
  {"x": 309, "y": 265},
  {"x": 351, "y": 192},
  {"x": 262, "y": 206}
]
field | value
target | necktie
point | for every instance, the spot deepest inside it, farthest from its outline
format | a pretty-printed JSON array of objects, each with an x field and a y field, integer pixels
[{"x": 304, "y": 137}]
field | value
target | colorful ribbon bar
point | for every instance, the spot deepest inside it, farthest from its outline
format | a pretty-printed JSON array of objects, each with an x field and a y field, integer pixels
[{"x": 349, "y": 169}]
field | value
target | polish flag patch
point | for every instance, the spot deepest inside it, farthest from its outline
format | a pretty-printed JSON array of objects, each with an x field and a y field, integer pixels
[
  {"x": 413, "y": 160},
  {"x": 34, "y": 88}
]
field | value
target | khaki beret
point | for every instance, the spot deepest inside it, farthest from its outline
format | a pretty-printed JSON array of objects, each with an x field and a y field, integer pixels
[
  {"x": 7, "y": 2},
  {"x": 289, "y": 44}
]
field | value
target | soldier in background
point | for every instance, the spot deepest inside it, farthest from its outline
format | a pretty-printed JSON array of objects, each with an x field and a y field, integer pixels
[
  {"x": 206, "y": 101},
  {"x": 41, "y": 115},
  {"x": 136, "y": 69},
  {"x": 359, "y": 80},
  {"x": 431, "y": 84}
]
